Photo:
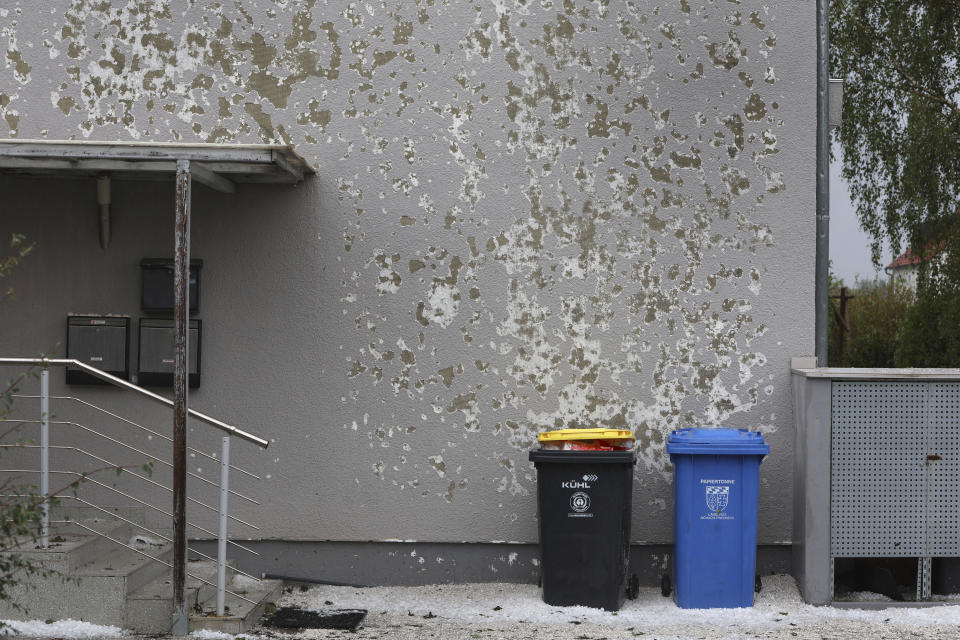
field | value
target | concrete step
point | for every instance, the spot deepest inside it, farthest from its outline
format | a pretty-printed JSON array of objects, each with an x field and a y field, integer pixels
[
  {"x": 132, "y": 568},
  {"x": 150, "y": 609},
  {"x": 81, "y": 513},
  {"x": 207, "y": 570},
  {"x": 94, "y": 579},
  {"x": 241, "y": 613},
  {"x": 69, "y": 549},
  {"x": 89, "y": 577}
]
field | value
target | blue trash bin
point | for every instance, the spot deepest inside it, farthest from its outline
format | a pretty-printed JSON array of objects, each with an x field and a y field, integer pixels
[{"x": 716, "y": 484}]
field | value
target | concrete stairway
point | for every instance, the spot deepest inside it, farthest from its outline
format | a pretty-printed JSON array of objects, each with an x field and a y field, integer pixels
[{"x": 99, "y": 581}]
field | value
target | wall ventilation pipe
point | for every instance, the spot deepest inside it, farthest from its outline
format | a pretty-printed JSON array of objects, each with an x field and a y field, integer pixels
[
  {"x": 103, "y": 200},
  {"x": 822, "y": 268}
]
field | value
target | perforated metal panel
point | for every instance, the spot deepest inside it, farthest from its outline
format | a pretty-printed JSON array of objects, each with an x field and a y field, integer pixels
[
  {"x": 878, "y": 471},
  {"x": 943, "y": 521},
  {"x": 895, "y": 469}
]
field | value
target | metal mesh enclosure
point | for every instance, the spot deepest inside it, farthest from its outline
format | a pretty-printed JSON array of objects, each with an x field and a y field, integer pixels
[
  {"x": 895, "y": 471},
  {"x": 877, "y": 481},
  {"x": 943, "y": 507}
]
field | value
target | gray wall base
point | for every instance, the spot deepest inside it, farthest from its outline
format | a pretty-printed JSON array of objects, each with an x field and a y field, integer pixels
[
  {"x": 414, "y": 563},
  {"x": 811, "y": 489},
  {"x": 878, "y": 606}
]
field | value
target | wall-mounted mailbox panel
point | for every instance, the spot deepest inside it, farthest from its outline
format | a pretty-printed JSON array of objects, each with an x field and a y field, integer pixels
[
  {"x": 101, "y": 342},
  {"x": 156, "y": 353},
  {"x": 157, "y": 285}
]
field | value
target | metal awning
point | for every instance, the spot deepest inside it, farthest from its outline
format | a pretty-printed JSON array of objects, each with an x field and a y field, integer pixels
[{"x": 218, "y": 166}]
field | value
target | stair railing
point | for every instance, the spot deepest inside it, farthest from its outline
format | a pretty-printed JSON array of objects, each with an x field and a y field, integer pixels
[{"x": 225, "y": 467}]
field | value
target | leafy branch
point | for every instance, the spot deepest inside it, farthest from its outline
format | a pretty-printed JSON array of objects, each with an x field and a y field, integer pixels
[
  {"x": 19, "y": 249},
  {"x": 883, "y": 43},
  {"x": 920, "y": 91}
]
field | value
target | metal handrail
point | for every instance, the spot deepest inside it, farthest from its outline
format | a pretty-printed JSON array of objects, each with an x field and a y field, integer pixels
[
  {"x": 136, "y": 525},
  {"x": 128, "y": 446},
  {"x": 116, "y": 515},
  {"x": 123, "y": 384},
  {"x": 87, "y": 478},
  {"x": 133, "y": 473},
  {"x": 138, "y": 426},
  {"x": 179, "y": 521}
]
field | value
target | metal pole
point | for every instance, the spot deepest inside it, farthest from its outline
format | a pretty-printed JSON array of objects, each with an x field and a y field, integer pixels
[
  {"x": 222, "y": 539},
  {"x": 181, "y": 297},
  {"x": 45, "y": 457},
  {"x": 821, "y": 293}
]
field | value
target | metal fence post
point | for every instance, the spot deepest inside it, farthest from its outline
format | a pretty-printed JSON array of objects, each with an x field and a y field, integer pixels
[
  {"x": 222, "y": 539},
  {"x": 45, "y": 457}
]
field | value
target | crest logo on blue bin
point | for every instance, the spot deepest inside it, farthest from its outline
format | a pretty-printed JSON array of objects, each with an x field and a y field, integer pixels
[{"x": 717, "y": 498}]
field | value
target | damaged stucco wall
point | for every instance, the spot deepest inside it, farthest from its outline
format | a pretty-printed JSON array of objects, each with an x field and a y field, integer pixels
[{"x": 526, "y": 215}]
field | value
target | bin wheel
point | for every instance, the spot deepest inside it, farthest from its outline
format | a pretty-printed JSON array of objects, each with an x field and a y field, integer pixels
[
  {"x": 665, "y": 586},
  {"x": 757, "y": 584},
  {"x": 633, "y": 587}
]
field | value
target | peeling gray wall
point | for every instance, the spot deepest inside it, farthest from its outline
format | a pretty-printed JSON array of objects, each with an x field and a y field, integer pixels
[{"x": 526, "y": 215}]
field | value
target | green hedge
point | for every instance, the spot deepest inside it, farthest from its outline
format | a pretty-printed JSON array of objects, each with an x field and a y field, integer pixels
[
  {"x": 931, "y": 332},
  {"x": 876, "y": 315}
]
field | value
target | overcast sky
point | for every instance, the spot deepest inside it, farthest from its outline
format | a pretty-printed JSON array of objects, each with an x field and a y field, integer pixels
[{"x": 849, "y": 246}]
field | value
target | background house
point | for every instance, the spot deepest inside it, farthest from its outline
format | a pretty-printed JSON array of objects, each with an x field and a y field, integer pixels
[
  {"x": 905, "y": 268},
  {"x": 525, "y": 216}
]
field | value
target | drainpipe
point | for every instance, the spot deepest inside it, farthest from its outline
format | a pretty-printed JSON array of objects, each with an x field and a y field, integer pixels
[
  {"x": 103, "y": 200},
  {"x": 821, "y": 293}
]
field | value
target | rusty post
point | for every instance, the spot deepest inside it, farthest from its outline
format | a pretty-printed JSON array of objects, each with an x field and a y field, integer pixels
[
  {"x": 845, "y": 321},
  {"x": 842, "y": 316},
  {"x": 181, "y": 306}
]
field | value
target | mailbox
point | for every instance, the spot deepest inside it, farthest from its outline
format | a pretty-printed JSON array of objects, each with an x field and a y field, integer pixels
[
  {"x": 156, "y": 275},
  {"x": 99, "y": 341},
  {"x": 155, "y": 367}
]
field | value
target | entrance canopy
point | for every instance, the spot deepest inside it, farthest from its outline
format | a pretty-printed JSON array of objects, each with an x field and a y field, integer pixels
[{"x": 218, "y": 166}]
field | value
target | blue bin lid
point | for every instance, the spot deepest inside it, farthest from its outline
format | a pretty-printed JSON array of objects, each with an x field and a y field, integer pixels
[{"x": 717, "y": 442}]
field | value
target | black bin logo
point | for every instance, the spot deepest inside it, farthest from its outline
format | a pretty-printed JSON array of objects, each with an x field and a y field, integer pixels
[{"x": 580, "y": 502}]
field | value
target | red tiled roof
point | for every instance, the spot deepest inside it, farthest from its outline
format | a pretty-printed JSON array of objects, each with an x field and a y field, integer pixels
[
  {"x": 905, "y": 259},
  {"x": 909, "y": 258}
]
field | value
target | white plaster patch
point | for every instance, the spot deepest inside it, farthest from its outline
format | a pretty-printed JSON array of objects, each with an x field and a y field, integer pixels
[{"x": 443, "y": 304}]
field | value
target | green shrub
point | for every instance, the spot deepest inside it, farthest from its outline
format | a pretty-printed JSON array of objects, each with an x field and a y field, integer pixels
[
  {"x": 876, "y": 315},
  {"x": 931, "y": 333}
]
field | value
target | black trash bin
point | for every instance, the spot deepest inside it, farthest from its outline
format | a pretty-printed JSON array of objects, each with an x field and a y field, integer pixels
[{"x": 584, "y": 500}]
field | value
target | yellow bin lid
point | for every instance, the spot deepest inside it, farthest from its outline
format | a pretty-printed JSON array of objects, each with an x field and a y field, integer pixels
[{"x": 585, "y": 434}]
